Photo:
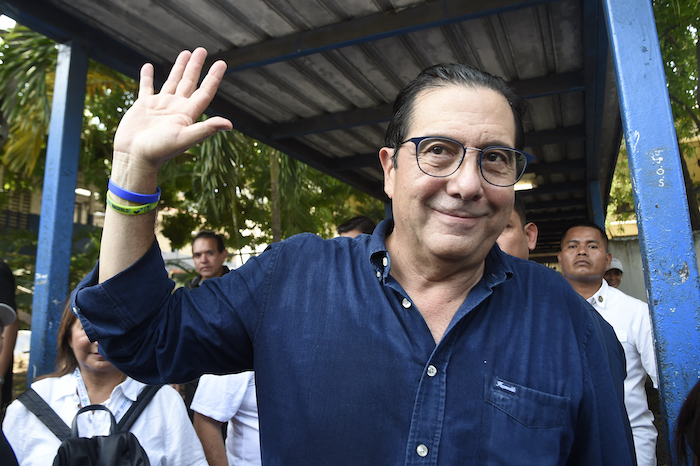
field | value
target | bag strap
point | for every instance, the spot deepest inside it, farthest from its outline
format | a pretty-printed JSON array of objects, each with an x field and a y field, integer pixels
[
  {"x": 146, "y": 395},
  {"x": 85, "y": 409},
  {"x": 41, "y": 409}
]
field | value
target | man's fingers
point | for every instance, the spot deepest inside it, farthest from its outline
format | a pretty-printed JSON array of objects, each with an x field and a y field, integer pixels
[
  {"x": 176, "y": 73},
  {"x": 219, "y": 123},
  {"x": 190, "y": 77},
  {"x": 203, "y": 96},
  {"x": 146, "y": 81},
  {"x": 198, "y": 132}
]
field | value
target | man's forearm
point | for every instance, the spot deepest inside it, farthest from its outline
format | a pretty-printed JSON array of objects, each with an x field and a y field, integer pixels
[
  {"x": 125, "y": 238},
  {"x": 209, "y": 433},
  {"x": 9, "y": 338}
]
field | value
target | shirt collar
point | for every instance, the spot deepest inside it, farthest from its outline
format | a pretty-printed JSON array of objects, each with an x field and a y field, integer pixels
[
  {"x": 378, "y": 255},
  {"x": 497, "y": 266},
  {"x": 130, "y": 387},
  {"x": 601, "y": 296},
  {"x": 65, "y": 386}
]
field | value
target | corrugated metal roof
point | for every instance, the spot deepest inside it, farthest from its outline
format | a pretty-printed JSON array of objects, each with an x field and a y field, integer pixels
[{"x": 316, "y": 78}]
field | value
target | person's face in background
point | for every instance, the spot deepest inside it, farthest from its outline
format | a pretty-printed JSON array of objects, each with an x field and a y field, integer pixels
[
  {"x": 516, "y": 239},
  {"x": 583, "y": 256},
  {"x": 613, "y": 277},
  {"x": 208, "y": 261},
  {"x": 89, "y": 360}
]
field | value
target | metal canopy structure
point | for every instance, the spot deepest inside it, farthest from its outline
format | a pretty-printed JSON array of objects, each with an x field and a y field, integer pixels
[{"x": 316, "y": 78}]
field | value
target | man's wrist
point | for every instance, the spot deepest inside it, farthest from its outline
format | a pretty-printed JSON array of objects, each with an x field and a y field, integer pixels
[{"x": 133, "y": 175}]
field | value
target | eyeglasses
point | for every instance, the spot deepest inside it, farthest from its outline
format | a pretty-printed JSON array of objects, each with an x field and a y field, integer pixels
[{"x": 441, "y": 157}]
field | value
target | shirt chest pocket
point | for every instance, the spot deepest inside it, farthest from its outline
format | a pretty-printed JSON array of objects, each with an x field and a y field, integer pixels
[{"x": 521, "y": 425}]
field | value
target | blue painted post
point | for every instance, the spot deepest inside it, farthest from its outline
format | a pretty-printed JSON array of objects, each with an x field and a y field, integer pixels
[
  {"x": 595, "y": 200},
  {"x": 670, "y": 267},
  {"x": 57, "y": 205}
]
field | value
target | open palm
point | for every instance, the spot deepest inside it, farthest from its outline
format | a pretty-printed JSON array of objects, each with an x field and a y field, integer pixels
[{"x": 161, "y": 126}]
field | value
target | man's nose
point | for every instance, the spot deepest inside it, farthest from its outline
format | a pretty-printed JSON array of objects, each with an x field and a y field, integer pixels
[{"x": 467, "y": 180}]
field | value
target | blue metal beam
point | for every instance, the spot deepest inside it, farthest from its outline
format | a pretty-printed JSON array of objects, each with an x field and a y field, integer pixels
[
  {"x": 595, "y": 203},
  {"x": 57, "y": 205},
  {"x": 670, "y": 267}
]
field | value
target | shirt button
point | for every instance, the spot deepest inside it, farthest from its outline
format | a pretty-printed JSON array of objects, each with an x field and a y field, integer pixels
[
  {"x": 379, "y": 274},
  {"x": 385, "y": 261},
  {"x": 432, "y": 370},
  {"x": 422, "y": 450},
  {"x": 406, "y": 303}
]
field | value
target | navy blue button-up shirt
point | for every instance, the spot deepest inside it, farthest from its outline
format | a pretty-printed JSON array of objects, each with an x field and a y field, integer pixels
[{"x": 347, "y": 371}]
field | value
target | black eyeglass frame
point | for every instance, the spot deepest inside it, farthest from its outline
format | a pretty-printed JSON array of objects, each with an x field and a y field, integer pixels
[{"x": 417, "y": 140}]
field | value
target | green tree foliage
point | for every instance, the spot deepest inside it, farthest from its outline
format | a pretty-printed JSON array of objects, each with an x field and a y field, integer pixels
[
  {"x": 27, "y": 79},
  {"x": 677, "y": 24},
  {"x": 232, "y": 186}
]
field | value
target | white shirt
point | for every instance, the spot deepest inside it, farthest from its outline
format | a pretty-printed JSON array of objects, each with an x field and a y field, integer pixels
[
  {"x": 232, "y": 397},
  {"x": 630, "y": 319},
  {"x": 163, "y": 429}
]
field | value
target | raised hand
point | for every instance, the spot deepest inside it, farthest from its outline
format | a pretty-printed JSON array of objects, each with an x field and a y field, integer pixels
[{"x": 159, "y": 127}]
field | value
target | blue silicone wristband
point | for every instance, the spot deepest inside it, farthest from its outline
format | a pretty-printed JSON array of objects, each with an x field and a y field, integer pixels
[{"x": 134, "y": 197}]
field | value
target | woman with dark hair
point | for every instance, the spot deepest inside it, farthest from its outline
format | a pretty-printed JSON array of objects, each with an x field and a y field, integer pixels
[
  {"x": 688, "y": 428},
  {"x": 84, "y": 377}
]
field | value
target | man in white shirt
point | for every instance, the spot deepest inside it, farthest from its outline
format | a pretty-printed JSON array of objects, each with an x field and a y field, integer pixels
[
  {"x": 584, "y": 259},
  {"x": 614, "y": 273},
  {"x": 218, "y": 400}
]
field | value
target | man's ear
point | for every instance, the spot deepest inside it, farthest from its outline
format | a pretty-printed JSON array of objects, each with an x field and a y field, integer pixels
[
  {"x": 531, "y": 232},
  {"x": 608, "y": 260},
  {"x": 385, "y": 157}
]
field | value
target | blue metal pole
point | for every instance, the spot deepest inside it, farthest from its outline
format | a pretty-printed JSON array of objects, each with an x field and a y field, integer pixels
[
  {"x": 57, "y": 206},
  {"x": 596, "y": 203},
  {"x": 666, "y": 241}
]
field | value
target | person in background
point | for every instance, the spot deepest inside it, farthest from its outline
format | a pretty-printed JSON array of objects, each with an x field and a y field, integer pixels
[
  {"x": 9, "y": 334},
  {"x": 8, "y": 317},
  {"x": 84, "y": 377},
  {"x": 584, "y": 257},
  {"x": 228, "y": 401},
  {"x": 520, "y": 236},
  {"x": 687, "y": 435},
  {"x": 614, "y": 273},
  {"x": 518, "y": 239},
  {"x": 208, "y": 255},
  {"x": 356, "y": 226},
  {"x": 222, "y": 398}
]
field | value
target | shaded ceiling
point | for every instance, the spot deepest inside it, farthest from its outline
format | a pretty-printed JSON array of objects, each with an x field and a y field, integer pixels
[{"x": 316, "y": 78}]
